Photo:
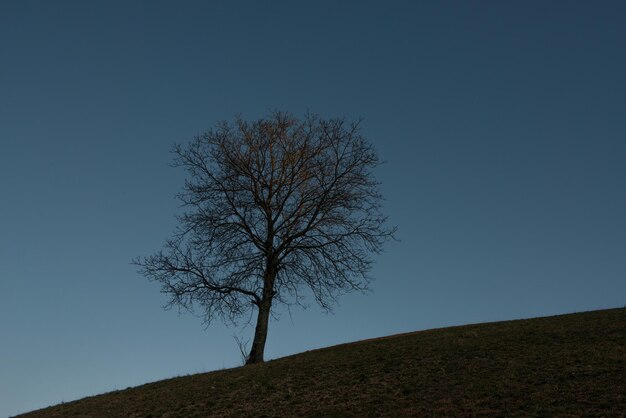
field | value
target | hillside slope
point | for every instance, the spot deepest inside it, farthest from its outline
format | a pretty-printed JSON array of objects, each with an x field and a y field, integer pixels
[{"x": 564, "y": 365}]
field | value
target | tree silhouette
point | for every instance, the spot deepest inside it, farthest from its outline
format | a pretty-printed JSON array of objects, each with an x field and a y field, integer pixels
[{"x": 272, "y": 206}]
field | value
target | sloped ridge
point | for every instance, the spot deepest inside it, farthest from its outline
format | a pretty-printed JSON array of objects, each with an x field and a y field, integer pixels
[{"x": 563, "y": 365}]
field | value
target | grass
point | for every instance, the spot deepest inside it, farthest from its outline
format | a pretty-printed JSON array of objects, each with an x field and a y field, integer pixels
[{"x": 568, "y": 365}]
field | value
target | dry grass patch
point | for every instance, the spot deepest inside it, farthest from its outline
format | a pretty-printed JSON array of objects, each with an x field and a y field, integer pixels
[{"x": 568, "y": 365}]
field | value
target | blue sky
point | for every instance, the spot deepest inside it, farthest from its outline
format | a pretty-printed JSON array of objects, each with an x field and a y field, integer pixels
[{"x": 502, "y": 123}]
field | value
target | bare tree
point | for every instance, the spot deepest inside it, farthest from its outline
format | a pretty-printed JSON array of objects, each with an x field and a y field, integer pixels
[{"x": 273, "y": 206}]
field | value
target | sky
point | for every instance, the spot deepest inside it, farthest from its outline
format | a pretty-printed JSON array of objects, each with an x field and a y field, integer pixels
[{"x": 502, "y": 124}]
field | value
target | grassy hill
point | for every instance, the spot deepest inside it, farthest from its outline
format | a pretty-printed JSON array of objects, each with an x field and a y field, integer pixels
[{"x": 568, "y": 365}]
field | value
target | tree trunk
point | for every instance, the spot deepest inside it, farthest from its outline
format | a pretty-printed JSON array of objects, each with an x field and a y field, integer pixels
[{"x": 260, "y": 333}]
